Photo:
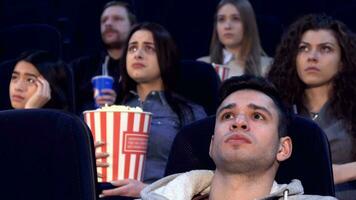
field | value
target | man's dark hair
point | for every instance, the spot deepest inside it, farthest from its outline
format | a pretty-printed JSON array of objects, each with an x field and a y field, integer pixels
[
  {"x": 131, "y": 16},
  {"x": 260, "y": 84}
]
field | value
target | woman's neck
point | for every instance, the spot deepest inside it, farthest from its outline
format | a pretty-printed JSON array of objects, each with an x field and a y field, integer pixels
[
  {"x": 316, "y": 97},
  {"x": 235, "y": 50},
  {"x": 143, "y": 89}
]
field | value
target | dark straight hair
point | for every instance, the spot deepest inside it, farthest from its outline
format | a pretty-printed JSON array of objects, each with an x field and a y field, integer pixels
[
  {"x": 168, "y": 61},
  {"x": 53, "y": 70}
]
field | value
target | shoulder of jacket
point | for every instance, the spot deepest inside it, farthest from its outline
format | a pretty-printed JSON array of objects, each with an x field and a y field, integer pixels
[{"x": 205, "y": 59}]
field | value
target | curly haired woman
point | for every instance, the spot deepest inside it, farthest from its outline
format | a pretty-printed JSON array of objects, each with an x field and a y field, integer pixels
[{"x": 314, "y": 70}]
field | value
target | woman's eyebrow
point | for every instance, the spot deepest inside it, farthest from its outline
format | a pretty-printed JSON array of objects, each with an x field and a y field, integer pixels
[{"x": 30, "y": 74}]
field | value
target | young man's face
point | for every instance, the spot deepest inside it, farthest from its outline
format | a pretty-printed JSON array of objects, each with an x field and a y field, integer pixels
[
  {"x": 246, "y": 132},
  {"x": 115, "y": 26}
]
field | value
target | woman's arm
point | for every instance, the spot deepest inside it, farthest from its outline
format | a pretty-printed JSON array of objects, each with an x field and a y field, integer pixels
[{"x": 344, "y": 172}]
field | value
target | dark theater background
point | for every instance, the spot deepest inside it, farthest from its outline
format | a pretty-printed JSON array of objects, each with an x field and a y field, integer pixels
[
  {"x": 76, "y": 22},
  {"x": 70, "y": 29}
]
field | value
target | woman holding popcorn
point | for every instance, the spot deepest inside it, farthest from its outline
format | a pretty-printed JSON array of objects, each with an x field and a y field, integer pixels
[{"x": 149, "y": 68}]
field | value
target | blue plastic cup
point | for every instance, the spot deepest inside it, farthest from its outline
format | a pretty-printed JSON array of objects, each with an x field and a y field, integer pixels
[{"x": 101, "y": 82}]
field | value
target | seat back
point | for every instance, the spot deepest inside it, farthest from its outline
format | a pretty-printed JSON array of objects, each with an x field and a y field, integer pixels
[
  {"x": 6, "y": 69},
  {"x": 199, "y": 83},
  {"x": 311, "y": 158},
  {"x": 310, "y": 161},
  {"x": 69, "y": 88},
  {"x": 49, "y": 155}
]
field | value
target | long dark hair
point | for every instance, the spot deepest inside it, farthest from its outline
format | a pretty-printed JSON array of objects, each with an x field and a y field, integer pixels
[
  {"x": 251, "y": 50},
  {"x": 283, "y": 72},
  {"x": 168, "y": 60},
  {"x": 54, "y": 72}
]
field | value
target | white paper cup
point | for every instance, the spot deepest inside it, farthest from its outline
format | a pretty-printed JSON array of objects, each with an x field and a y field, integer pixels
[{"x": 125, "y": 135}]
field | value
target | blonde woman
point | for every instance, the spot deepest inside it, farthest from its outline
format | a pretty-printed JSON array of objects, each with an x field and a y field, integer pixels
[{"x": 235, "y": 41}]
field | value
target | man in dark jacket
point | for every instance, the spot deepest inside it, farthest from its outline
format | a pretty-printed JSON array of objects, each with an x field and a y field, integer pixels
[{"x": 115, "y": 24}]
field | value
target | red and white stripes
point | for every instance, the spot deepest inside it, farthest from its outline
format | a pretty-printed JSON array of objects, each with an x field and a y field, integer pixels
[
  {"x": 125, "y": 135},
  {"x": 222, "y": 71}
]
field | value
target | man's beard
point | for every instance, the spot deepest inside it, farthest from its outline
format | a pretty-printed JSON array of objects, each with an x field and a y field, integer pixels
[
  {"x": 245, "y": 164},
  {"x": 114, "y": 45},
  {"x": 248, "y": 166},
  {"x": 117, "y": 44}
]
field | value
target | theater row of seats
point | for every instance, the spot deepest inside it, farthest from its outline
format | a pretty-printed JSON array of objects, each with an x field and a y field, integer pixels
[{"x": 49, "y": 155}]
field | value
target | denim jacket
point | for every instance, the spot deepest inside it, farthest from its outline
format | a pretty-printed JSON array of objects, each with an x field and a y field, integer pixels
[{"x": 165, "y": 125}]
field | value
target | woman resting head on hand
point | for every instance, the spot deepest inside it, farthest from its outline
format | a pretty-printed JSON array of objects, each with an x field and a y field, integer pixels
[{"x": 38, "y": 81}]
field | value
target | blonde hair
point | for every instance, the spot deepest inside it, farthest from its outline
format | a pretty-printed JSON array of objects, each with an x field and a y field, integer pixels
[{"x": 251, "y": 50}]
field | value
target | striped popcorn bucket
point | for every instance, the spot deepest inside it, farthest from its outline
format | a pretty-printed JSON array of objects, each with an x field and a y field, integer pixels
[
  {"x": 222, "y": 71},
  {"x": 125, "y": 135}
]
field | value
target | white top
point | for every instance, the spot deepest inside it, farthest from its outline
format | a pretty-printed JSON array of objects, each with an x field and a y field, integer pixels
[{"x": 235, "y": 68}]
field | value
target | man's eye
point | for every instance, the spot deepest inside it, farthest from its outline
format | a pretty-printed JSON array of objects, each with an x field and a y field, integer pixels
[
  {"x": 118, "y": 18},
  {"x": 103, "y": 20},
  {"x": 227, "y": 116},
  {"x": 258, "y": 116}
]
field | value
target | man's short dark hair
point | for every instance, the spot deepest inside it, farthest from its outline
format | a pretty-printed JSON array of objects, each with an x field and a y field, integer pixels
[
  {"x": 131, "y": 16},
  {"x": 260, "y": 84}
]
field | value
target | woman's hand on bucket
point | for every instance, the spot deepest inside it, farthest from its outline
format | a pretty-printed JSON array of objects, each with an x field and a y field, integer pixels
[
  {"x": 100, "y": 155},
  {"x": 126, "y": 187}
]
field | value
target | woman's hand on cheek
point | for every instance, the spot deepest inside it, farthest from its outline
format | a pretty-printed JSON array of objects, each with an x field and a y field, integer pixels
[{"x": 41, "y": 96}]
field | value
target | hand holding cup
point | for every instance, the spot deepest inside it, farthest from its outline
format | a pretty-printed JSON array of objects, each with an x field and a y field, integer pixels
[
  {"x": 107, "y": 97},
  {"x": 103, "y": 90}
]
